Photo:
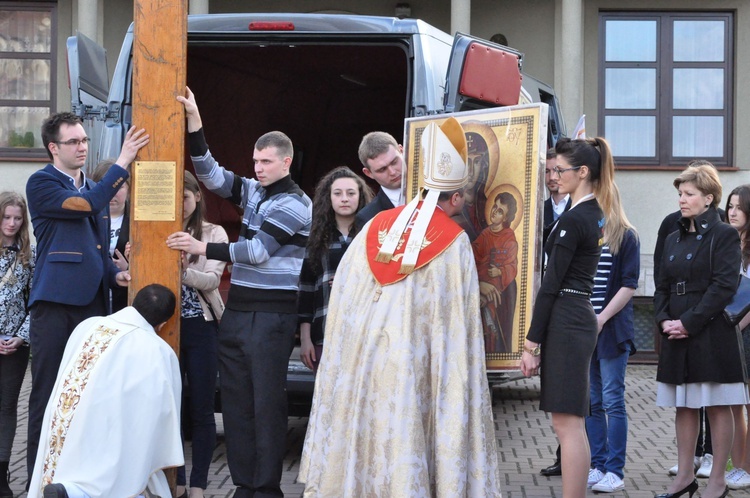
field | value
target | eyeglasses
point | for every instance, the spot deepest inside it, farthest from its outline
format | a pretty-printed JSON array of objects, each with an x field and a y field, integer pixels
[
  {"x": 75, "y": 141},
  {"x": 559, "y": 171}
]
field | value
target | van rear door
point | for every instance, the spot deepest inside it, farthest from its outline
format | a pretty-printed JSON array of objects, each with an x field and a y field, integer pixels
[
  {"x": 89, "y": 87},
  {"x": 481, "y": 74}
]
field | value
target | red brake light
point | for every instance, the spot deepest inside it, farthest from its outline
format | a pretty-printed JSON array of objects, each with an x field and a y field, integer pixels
[{"x": 271, "y": 26}]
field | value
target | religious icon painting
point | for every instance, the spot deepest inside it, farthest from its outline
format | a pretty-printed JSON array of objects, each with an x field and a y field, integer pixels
[{"x": 502, "y": 215}]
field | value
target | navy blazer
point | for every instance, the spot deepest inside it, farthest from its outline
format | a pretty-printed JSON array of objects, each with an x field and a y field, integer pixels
[
  {"x": 624, "y": 272},
  {"x": 381, "y": 202},
  {"x": 72, "y": 233}
]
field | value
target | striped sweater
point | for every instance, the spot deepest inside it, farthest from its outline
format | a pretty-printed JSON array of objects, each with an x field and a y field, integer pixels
[{"x": 267, "y": 257}]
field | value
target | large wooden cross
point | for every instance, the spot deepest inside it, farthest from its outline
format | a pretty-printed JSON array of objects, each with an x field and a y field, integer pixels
[{"x": 159, "y": 75}]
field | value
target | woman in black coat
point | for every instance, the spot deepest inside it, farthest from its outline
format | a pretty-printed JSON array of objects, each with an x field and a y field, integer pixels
[{"x": 700, "y": 362}]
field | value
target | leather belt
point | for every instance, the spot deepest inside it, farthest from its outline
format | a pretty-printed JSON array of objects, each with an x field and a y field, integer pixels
[{"x": 682, "y": 288}]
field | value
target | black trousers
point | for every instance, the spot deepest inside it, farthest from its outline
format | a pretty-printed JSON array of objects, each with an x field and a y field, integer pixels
[
  {"x": 254, "y": 350},
  {"x": 50, "y": 328},
  {"x": 198, "y": 363}
]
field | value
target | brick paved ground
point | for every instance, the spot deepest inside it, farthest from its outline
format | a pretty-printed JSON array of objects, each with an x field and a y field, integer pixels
[{"x": 525, "y": 440}]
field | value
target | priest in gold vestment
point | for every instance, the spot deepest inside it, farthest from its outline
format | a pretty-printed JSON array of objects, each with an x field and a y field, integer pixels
[{"x": 401, "y": 405}]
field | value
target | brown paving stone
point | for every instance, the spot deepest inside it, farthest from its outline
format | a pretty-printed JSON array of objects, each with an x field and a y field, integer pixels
[{"x": 525, "y": 439}]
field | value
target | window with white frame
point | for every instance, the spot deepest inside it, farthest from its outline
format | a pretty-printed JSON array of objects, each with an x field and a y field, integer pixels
[
  {"x": 27, "y": 75},
  {"x": 666, "y": 86}
]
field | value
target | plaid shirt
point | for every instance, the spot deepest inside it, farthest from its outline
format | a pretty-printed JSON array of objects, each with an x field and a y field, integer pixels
[{"x": 315, "y": 287}]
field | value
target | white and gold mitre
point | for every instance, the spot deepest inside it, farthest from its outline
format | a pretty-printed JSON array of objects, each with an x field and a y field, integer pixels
[{"x": 444, "y": 153}]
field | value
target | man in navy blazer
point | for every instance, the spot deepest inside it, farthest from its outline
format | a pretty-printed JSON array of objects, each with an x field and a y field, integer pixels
[
  {"x": 70, "y": 215},
  {"x": 382, "y": 160}
]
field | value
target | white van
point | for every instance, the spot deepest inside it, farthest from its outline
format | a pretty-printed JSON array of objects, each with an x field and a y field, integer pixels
[{"x": 324, "y": 80}]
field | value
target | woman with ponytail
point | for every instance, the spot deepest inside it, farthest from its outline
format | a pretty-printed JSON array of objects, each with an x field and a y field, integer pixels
[
  {"x": 563, "y": 332},
  {"x": 700, "y": 361}
]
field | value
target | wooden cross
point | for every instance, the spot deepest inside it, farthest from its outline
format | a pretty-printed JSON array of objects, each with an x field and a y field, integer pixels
[{"x": 159, "y": 75}]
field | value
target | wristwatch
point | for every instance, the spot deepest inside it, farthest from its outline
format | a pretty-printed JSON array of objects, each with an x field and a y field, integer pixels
[{"x": 534, "y": 352}]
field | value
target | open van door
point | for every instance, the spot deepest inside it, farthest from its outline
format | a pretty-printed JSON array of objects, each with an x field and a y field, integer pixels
[
  {"x": 88, "y": 80},
  {"x": 481, "y": 74},
  {"x": 89, "y": 87}
]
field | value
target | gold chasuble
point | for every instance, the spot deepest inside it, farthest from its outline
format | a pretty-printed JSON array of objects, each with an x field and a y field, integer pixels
[{"x": 401, "y": 405}]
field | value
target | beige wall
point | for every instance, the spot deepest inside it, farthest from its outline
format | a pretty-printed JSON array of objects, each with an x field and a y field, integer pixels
[
  {"x": 530, "y": 27},
  {"x": 648, "y": 196},
  {"x": 514, "y": 19}
]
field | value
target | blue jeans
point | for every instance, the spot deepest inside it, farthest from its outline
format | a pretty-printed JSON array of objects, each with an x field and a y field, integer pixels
[{"x": 607, "y": 426}]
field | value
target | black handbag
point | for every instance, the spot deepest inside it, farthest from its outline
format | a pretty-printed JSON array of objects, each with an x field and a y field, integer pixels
[{"x": 740, "y": 305}]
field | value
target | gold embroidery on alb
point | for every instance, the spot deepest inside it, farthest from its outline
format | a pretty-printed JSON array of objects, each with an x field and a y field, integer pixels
[{"x": 73, "y": 386}]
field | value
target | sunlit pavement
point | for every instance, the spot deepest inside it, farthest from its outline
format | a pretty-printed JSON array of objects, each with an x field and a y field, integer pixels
[{"x": 525, "y": 440}]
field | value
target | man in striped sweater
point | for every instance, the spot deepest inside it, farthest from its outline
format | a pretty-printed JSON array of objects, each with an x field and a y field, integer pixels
[{"x": 257, "y": 329}]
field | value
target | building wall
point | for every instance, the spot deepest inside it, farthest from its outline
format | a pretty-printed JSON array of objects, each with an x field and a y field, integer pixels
[
  {"x": 529, "y": 26},
  {"x": 648, "y": 196}
]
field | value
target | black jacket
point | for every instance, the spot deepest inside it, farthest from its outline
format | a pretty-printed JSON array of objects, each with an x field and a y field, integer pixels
[
  {"x": 381, "y": 202},
  {"x": 698, "y": 277},
  {"x": 549, "y": 218}
]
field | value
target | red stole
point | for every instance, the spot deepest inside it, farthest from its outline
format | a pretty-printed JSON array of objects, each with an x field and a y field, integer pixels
[{"x": 441, "y": 232}]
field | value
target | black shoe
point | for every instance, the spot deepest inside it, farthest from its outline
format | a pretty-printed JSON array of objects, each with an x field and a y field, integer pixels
[
  {"x": 690, "y": 489},
  {"x": 553, "y": 470},
  {"x": 55, "y": 490}
]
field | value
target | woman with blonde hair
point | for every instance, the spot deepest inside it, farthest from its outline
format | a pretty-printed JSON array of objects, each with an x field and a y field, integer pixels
[
  {"x": 612, "y": 298},
  {"x": 700, "y": 362},
  {"x": 563, "y": 331},
  {"x": 16, "y": 273}
]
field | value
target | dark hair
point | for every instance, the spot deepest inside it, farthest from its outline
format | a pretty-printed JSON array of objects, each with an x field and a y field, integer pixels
[
  {"x": 509, "y": 200},
  {"x": 551, "y": 153},
  {"x": 445, "y": 196},
  {"x": 51, "y": 128},
  {"x": 194, "y": 225},
  {"x": 8, "y": 199},
  {"x": 743, "y": 193},
  {"x": 595, "y": 154},
  {"x": 499, "y": 38},
  {"x": 324, "y": 219},
  {"x": 155, "y": 303},
  {"x": 276, "y": 139}
]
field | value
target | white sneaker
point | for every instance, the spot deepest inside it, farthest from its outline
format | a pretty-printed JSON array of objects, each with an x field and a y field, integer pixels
[
  {"x": 609, "y": 484},
  {"x": 707, "y": 463},
  {"x": 737, "y": 479},
  {"x": 595, "y": 475},
  {"x": 696, "y": 463}
]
